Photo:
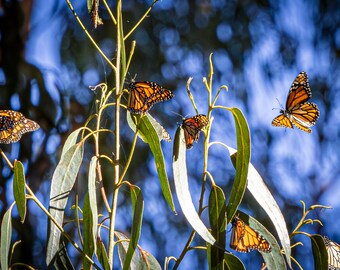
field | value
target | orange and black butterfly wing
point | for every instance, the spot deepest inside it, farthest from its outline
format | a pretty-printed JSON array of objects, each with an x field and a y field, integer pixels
[
  {"x": 161, "y": 95},
  {"x": 305, "y": 116},
  {"x": 244, "y": 238},
  {"x": 143, "y": 95},
  {"x": 282, "y": 121},
  {"x": 192, "y": 127},
  {"x": 13, "y": 124},
  {"x": 139, "y": 94},
  {"x": 299, "y": 92},
  {"x": 333, "y": 251},
  {"x": 298, "y": 112},
  {"x": 255, "y": 240}
]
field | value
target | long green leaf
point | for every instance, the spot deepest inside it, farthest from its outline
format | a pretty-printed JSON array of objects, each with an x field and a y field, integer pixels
[
  {"x": 138, "y": 208},
  {"x": 217, "y": 219},
  {"x": 242, "y": 163},
  {"x": 93, "y": 198},
  {"x": 62, "y": 182},
  {"x": 88, "y": 232},
  {"x": 182, "y": 188},
  {"x": 6, "y": 236},
  {"x": 19, "y": 189},
  {"x": 319, "y": 252},
  {"x": 149, "y": 135}
]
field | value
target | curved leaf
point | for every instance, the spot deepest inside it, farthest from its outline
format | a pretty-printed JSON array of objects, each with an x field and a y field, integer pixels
[
  {"x": 62, "y": 182},
  {"x": 262, "y": 195},
  {"x": 70, "y": 141},
  {"x": 149, "y": 135},
  {"x": 182, "y": 188},
  {"x": 19, "y": 189},
  {"x": 242, "y": 163}
]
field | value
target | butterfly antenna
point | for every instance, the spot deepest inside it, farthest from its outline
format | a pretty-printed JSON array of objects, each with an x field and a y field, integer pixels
[
  {"x": 279, "y": 104},
  {"x": 178, "y": 114}
]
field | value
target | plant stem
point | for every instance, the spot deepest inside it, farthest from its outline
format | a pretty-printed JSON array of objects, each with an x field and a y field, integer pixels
[{"x": 117, "y": 135}]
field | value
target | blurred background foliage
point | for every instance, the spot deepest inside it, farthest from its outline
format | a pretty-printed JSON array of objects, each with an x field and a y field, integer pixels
[{"x": 259, "y": 47}]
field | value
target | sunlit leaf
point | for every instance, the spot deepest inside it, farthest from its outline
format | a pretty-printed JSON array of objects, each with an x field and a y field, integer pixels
[
  {"x": 319, "y": 252},
  {"x": 182, "y": 188},
  {"x": 19, "y": 189},
  {"x": 262, "y": 195},
  {"x": 62, "y": 182},
  {"x": 70, "y": 141},
  {"x": 6, "y": 236},
  {"x": 93, "y": 198}
]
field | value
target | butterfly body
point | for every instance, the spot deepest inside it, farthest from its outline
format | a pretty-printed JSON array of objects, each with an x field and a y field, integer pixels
[
  {"x": 143, "y": 95},
  {"x": 298, "y": 111},
  {"x": 244, "y": 238},
  {"x": 13, "y": 125},
  {"x": 333, "y": 251},
  {"x": 192, "y": 127}
]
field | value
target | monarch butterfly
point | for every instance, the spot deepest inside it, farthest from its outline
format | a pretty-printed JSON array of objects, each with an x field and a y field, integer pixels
[
  {"x": 143, "y": 95},
  {"x": 333, "y": 250},
  {"x": 13, "y": 124},
  {"x": 244, "y": 238},
  {"x": 298, "y": 112},
  {"x": 192, "y": 127}
]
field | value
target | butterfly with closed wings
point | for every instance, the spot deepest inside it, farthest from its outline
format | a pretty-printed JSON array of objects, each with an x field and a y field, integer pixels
[
  {"x": 143, "y": 95},
  {"x": 298, "y": 112},
  {"x": 13, "y": 125},
  {"x": 192, "y": 127},
  {"x": 244, "y": 238}
]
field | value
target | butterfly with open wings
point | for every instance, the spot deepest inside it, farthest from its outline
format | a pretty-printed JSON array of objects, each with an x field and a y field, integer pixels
[
  {"x": 245, "y": 238},
  {"x": 298, "y": 111},
  {"x": 143, "y": 95}
]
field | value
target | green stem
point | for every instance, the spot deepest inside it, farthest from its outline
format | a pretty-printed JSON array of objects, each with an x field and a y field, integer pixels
[
  {"x": 117, "y": 135},
  {"x": 89, "y": 36}
]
